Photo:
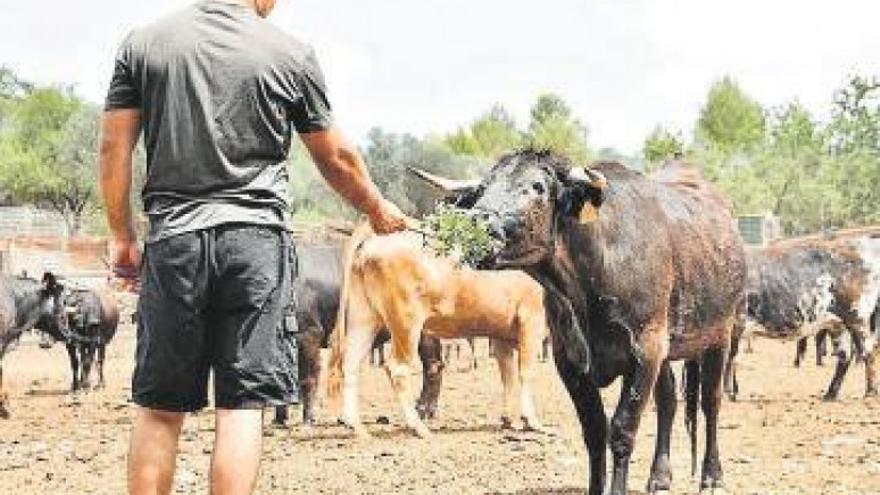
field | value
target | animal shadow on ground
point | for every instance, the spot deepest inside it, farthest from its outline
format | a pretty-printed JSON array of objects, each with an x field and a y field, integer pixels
[
  {"x": 47, "y": 392},
  {"x": 566, "y": 490}
]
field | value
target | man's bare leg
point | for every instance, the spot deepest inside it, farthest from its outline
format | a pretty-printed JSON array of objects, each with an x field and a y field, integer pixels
[
  {"x": 152, "y": 452},
  {"x": 238, "y": 448}
]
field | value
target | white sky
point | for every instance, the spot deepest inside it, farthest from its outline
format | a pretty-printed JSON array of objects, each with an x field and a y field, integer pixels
[{"x": 425, "y": 66}]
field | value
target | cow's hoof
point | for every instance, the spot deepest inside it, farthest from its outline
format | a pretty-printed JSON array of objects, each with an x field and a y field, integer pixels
[
  {"x": 280, "y": 425},
  {"x": 361, "y": 433},
  {"x": 716, "y": 490},
  {"x": 712, "y": 486},
  {"x": 872, "y": 393},
  {"x": 506, "y": 423},
  {"x": 829, "y": 397},
  {"x": 423, "y": 432},
  {"x": 534, "y": 426}
]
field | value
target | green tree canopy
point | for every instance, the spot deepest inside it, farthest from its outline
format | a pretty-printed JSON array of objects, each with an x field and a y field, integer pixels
[
  {"x": 553, "y": 127},
  {"x": 662, "y": 145},
  {"x": 730, "y": 120},
  {"x": 489, "y": 136}
]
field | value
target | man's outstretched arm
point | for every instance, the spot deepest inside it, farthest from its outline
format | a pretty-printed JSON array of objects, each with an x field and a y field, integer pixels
[
  {"x": 119, "y": 134},
  {"x": 344, "y": 169}
]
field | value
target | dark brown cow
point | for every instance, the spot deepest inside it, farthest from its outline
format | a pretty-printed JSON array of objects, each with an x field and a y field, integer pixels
[{"x": 637, "y": 271}]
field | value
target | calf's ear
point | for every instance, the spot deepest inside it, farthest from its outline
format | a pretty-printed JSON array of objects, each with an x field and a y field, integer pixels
[{"x": 583, "y": 191}]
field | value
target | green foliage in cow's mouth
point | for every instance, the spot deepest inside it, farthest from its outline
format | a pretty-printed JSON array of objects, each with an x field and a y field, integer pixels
[{"x": 459, "y": 235}]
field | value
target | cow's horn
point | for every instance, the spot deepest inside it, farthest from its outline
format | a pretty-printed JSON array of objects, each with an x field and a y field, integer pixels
[
  {"x": 588, "y": 176},
  {"x": 444, "y": 184}
]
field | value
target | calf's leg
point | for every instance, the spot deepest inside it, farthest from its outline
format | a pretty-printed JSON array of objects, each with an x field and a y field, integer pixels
[
  {"x": 398, "y": 365},
  {"x": 666, "y": 402},
  {"x": 507, "y": 367},
  {"x": 529, "y": 348}
]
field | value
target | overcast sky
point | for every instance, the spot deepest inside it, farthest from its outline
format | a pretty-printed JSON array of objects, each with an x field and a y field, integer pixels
[{"x": 425, "y": 66}]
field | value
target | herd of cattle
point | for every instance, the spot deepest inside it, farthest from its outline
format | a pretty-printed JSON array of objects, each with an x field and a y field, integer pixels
[{"x": 624, "y": 272}]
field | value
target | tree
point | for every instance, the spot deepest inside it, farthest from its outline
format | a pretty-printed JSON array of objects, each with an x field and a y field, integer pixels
[
  {"x": 489, "y": 136},
  {"x": 662, "y": 145},
  {"x": 553, "y": 127},
  {"x": 49, "y": 146},
  {"x": 856, "y": 122},
  {"x": 730, "y": 120}
]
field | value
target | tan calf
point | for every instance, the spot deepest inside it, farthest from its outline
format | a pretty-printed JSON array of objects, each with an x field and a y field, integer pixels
[{"x": 394, "y": 282}]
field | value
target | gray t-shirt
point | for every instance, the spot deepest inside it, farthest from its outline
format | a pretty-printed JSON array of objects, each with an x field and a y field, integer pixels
[{"x": 220, "y": 90}]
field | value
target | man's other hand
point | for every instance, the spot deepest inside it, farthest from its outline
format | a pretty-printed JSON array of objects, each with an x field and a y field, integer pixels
[{"x": 126, "y": 263}]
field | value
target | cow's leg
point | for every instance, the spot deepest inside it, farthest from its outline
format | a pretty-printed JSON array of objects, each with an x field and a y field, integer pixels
[
  {"x": 4, "y": 397},
  {"x": 587, "y": 401},
  {"x": 99, "y": 364},
  {"x": 666, "y": 402},
  {"x": 843, "y": 351},
  {"x": 711, "y": 373},
  {"x": 821, "y": 346},
  {"x": 309, "y": 368},
  {"x": 73, "y": 354},
  {"x": 472, "y": 342},
  {"x": 88, "y": 358},
  {"x": 431, "y": 355},
  {"x": 801, "y": 351},
  {"x": 398, "y": 365},
  {"x": 637, "y": 385},
  {"x": 731, "y": 384},
  {"x": 507, "y": 367}
]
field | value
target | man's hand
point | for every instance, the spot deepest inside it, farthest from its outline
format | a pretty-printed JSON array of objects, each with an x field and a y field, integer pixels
[
  {"x": 126, "y": 263},
  {"x": 343, "y": 168},
  {"x": 387, "y": 218}
]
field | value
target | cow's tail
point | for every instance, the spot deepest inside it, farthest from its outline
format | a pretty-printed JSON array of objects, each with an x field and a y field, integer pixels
[
  {"x": 338, "y": 337},
  {"x": 692, "y": 397}
]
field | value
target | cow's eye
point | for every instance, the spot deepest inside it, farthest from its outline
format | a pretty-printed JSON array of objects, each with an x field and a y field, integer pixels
[{"x": 538, "y": 187}]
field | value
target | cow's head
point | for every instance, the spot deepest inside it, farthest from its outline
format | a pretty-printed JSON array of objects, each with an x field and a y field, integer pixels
[
  {"x": 52, "y": 303},
  {"x": 525, "y": 197}
]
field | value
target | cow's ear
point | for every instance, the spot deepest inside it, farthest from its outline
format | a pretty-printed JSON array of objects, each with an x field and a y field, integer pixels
[
  {"x": 583, "y": 191},
  {"x": 49, "y": 281}
]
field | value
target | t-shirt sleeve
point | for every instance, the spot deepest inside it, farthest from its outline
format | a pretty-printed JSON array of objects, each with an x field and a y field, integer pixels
[
  {"x": 311, "y": 111},
  {"x": 123, "y": 92}
]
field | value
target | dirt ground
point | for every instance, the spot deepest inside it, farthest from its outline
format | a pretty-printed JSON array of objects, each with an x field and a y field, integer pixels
[{"x": 780, "y": 438}]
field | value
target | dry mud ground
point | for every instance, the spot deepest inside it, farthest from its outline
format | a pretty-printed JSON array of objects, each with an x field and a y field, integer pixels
[{"x": 778, "y": 439}]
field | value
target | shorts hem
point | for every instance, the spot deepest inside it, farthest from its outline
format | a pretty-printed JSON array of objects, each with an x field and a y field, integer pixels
[{"x": 170, "y": 407}]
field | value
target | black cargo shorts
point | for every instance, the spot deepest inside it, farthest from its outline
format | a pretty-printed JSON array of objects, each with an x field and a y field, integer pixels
[{"x": 221, "y": 300}]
